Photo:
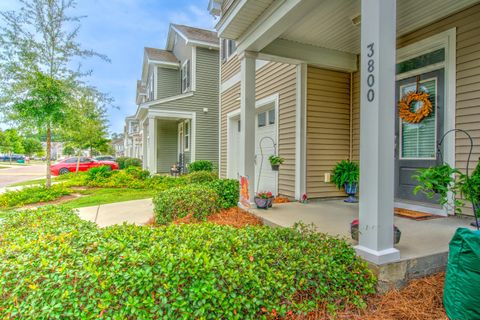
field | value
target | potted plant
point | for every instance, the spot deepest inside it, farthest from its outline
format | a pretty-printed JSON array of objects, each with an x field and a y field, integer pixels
[
  {"x": 263, "y": 200},
  {"x": 275, "y": 162},
  {"x": 354, "y": 226},
  {"x": 345, "y": 175}
]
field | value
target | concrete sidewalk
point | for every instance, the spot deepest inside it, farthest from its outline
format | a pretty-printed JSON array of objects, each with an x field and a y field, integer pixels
[{"x": 136, "y": 211}]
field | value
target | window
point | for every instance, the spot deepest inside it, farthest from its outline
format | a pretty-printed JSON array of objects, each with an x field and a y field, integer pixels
[
  {"x": 228, "y": 49},
  {"x": 186, "y": 76},
  {"x": 71, "y": 160},
  {"x": 421, "y": 61},
  {"x": 271, "y": 116},
  {"x": 186, "y": 135},
  {"x": 262, "y": 119}
]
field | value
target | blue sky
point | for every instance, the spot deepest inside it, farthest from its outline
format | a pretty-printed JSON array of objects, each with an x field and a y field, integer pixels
[{"x": 121, "y": 29}]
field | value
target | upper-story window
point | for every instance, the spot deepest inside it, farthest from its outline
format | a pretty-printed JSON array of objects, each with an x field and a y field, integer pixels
[
  {"x": 228, "y": 49},
  {"x": 151, "y": 90},
  {"x": 186, "y": 76}
]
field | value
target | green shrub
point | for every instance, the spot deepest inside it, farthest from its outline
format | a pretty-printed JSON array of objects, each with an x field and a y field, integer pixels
[
  {"x": 196, "y": 200},
  {"x": 200, "y": 177},
  {"x": 228, "y": 191},
  {"x": 56, "y": 266},
  {"x": 99, "y": 173},
  {"x": 161, "y": 183},
  {"x": 200, "y": 165},
  {"x": 32, "y": 195},
  {"x": 125, "y": 162},
  {"x": 137, "y": 172}
]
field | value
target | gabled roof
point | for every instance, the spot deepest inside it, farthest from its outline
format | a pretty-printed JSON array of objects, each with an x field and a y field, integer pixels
[
  {"x": 194, "y": 36},
  {"x": 160, "y": 55}
]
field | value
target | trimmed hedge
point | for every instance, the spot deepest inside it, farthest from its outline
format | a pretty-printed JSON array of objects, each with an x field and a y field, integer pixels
[
  {"x": 228, "y": 191},
  {"x": 200, "y": 177},
  {"x": 55, "y": 266},
  {"x": 200, "y": 165},
  {"x": 125, "y": 162},
  {"x": 196, "y": 200}
]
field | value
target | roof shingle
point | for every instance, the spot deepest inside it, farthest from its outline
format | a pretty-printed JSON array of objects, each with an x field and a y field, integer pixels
[
  {"x": 196, "y": 34},
  {"x": 160, "y": 55}
]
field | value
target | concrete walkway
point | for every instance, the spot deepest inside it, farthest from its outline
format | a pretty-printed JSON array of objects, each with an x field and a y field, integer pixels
[{"x": 136, "y": 211}]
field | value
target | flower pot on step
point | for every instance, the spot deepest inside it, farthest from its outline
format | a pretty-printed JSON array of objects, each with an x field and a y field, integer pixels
[
  {"x": 351, "y": 189},
  {"x": 262, "y": 203}
]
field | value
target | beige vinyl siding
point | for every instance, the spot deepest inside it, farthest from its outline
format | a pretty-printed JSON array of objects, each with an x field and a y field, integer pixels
[
  {"x": 230, "y": 68},
  {"x": 467, "y": 24},
  {"x": 356, "y": 117},
  {"x": 273, "y": 78},
  {"x": 229, "y": 102},
  {"x": 279, "y": 78},
  {"x": 168, "y": 82},
  {"x": 166, "y": 144},
  {"x": 328, "y": 127}
]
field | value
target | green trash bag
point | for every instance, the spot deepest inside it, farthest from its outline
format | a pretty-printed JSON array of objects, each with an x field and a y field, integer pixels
[{"x": 461, "y": 296}]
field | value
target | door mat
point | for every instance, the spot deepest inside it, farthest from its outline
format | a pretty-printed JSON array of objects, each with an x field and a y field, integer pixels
[{"x": 414, "y": 215}]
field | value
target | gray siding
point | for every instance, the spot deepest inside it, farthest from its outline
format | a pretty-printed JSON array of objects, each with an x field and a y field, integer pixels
[
  {"x": 168, "y": 82},
  {"x": 205, "y": 96},
  {"x": 166, "y": 145}
]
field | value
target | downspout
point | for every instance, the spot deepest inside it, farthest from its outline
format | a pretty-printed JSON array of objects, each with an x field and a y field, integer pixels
[{"x": 350, "y": 154}]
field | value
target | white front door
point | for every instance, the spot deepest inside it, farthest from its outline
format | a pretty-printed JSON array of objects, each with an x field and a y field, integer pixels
[
  {"x": 265, "y": 146},
  {"x": 266, "y": 134}
]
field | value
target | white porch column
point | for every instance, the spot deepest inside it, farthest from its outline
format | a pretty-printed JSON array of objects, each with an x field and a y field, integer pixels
[
  {"x": 152, "y": 145},
  {"x": 144, "y": 146},
  {"x": 377, "y": 116},
  {"x": 246, "y": 164}
]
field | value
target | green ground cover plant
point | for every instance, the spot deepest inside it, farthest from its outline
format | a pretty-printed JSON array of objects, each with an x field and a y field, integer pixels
[
  {"x": 125, "y": 162},
  {"x": 56, "y": 266},
  {"x": 31, "y": 195},
  {"x": 198, "y": 201}
]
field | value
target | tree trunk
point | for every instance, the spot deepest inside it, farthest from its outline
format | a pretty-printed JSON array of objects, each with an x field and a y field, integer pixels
[
  {"x": 49, "y": 156},
  {"x": 78, "y": 160}
]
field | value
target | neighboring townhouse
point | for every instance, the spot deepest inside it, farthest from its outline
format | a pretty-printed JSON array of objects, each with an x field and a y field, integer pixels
[
  {"x": 177, "y": 100},
  {"x": 316, "y": 105},
  {"x": 118, "y": 146},
  {"x": 132, "y": 138}
]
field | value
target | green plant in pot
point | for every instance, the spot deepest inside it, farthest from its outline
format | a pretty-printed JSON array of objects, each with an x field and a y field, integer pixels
[
  {"x": 275, "y": 162},
  {"x": 345, "y": 175},
  {"x": 451, "y": 185},
  {"x": 263, "y": 199}
]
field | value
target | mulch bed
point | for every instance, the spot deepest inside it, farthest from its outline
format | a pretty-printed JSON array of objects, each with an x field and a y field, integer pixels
[
  {"x": 234, "y": 217},
  {"x": 421, "y": 299}
]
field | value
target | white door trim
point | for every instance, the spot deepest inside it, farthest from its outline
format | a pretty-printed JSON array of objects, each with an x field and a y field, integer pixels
[{"x": 446, "y": 40}]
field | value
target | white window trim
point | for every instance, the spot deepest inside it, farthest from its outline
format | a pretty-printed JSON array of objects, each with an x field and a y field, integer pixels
[
  {"x": 186, "y": 134},
  {"x": 193, "y": 70},
  {"x": 182, "y": 73}
]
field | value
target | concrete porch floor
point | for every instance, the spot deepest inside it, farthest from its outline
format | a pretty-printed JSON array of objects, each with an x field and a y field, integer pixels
[{"x": 423, "y": 245}]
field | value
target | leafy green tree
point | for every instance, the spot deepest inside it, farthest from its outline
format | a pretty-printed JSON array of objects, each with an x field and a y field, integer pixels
[
  {"x": 68, "y": 150},
  {"x": 32, "y": 146},
  {"x": 38, "y": 47},
  {"x": 11, "y": 143}
]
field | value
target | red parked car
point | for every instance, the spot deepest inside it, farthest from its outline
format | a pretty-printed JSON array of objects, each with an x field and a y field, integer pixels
[{"x": 70, "y": 165}]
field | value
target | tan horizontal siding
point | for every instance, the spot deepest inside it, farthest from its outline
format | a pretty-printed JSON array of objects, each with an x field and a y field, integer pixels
[
  {"x": 229, "y": 68},
  {"x": 356, "y": 117},
  {"x": 328, "y": 127},
  {"x": 467, "y": 24},
  {"x": 273, "y": 78}
]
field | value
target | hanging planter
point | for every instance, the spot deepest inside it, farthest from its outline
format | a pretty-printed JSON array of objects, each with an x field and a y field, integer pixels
[{"x": 275, "y": 162}]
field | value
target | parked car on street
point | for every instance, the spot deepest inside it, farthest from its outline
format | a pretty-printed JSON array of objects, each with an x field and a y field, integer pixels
[
  {"x": 13, "y": 157},
  {"x": 104, "y": 158},
  {"x": 70, "y": 165}
]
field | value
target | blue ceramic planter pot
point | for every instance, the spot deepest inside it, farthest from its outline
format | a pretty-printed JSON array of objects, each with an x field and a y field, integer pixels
[{"x": 351, "y": 189}]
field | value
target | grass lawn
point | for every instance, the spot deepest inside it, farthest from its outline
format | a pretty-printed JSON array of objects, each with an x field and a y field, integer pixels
[
  {"x": 30, "y": 182},
  {"x": 97, "y": 196},
  {"x": 3, "y": 167}
]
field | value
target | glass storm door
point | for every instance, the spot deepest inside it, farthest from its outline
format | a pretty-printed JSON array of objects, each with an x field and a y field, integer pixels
[{"x": 416, "y": 144}]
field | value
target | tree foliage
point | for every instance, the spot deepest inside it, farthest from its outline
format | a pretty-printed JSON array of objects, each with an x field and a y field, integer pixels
[
  {"x": 32, "y": 146},
  {"x": 38, "y": 46}
]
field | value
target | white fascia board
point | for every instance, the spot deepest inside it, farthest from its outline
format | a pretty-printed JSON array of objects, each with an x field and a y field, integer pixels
[
  {"x": 174, "y": 65},
  {"x": 278, "y": 18},
  {"x": 312, "y": 55},
  {"x": 194, "y": 69},
  {"x": 165, "y": 100},
  {"x": 226, "y": 20}
]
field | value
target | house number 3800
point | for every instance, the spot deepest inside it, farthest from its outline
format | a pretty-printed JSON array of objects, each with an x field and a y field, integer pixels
[{"x": 370, "y": 69}]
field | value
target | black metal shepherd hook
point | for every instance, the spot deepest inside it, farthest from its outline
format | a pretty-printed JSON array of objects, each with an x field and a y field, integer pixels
[{"x": 439, "y": 153}]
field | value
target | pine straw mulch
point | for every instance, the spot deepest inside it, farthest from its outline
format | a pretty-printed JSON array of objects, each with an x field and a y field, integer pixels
[
  {"x": 234, "y": 217},
  {"x": 421, "y": 299}
]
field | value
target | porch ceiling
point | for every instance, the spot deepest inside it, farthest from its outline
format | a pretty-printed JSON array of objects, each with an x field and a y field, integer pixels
[{"x": 330, "y": 24}]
